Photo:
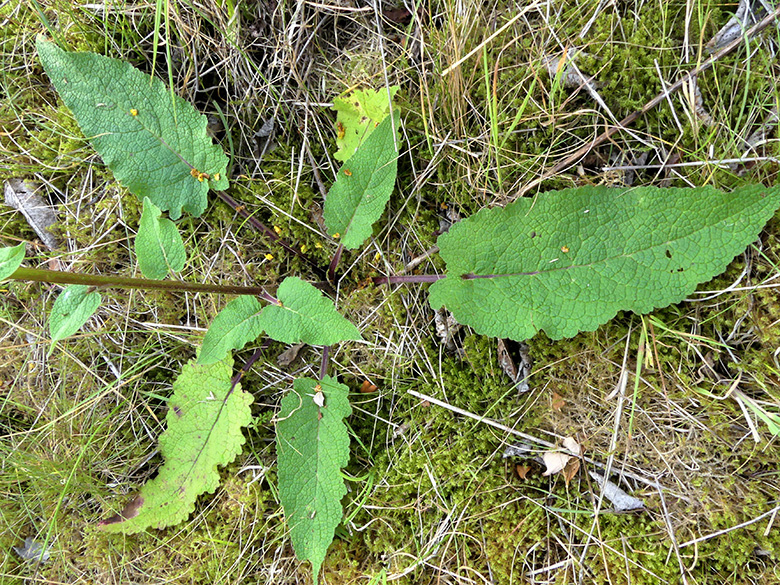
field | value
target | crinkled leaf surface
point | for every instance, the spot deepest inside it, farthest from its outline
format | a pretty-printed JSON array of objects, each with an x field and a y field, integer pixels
[
  {"x": 312, "y": 446},
  {"x": 358, "y": 113},
  {"x": 235, "y": 326},
  {"x": 305, "y": 316},
  {"x": 363, "y": 187},
  {"x": 158, "y": 244},
  {"x": 153, "y": 144},
  {"x": 205, "y": 416},
  {"x": 11, "y": 258},
  {"x": 71, "y": 310},
  {"x": 570, "y": 260}
]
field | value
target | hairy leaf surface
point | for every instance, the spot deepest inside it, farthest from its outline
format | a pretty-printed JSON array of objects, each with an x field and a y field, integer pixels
[
  {"x": 11, "y": 258},
  {"x": 358, "y": 113},
  {"x": 569, "y": 260},
  {"x": 312, "y": 446},
  {"x": 158, "y": 244},
  {"x": 363, "y": 187},
  {"x": 305, "y": 316},
  {"x": 71, "y": 310},
  {"x": 156, "y": 145},
  {"x": 205, "y": 416},
  {"x": 235, "y": 326}
]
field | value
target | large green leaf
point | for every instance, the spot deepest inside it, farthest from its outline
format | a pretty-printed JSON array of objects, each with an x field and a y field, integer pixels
[
  {"x": 235, "y": 326},
  {"x": 363, "y": 187},
  {"x": 205, "y": 416},
  {"x": 359, "y": 113},
  {"x": 312, "y": 446},
  {"x": 11, "y": 258},
  {"x": 155, "y": 144},
  {"x": 569, "y": 260},
  {"x": 70, "y": 311},
  {"x": 158, "y": 244},
  {"x": 305, "y": 316}
]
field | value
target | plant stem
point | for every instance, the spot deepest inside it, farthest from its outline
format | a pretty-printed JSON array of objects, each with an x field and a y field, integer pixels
[
  {"x": 407, "y": 279},
  {"x": 334, "y": 263},
  {"x": 324, "y": 363},
  {"x": 57, "y": 277}
]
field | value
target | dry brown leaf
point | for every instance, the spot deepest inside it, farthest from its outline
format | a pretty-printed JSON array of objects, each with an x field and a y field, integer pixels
[
  {"x": 367, "y": 387},
  {"x": 288, "y": 356},
  {"x": 570, "y": 470},
  {"x": 555, "y": 461},
  {"x": 558, "y": 402},
  {"x": 522, "y": 471}
]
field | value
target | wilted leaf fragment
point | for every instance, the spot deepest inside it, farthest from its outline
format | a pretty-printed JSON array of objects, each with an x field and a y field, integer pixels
[
  {"x": 205, "y": 416},
  {"x": 620, "y": 499},
  {"x": 305, "y": 316},
  {"x": 11, "y": 258},
  {"x": 570, "y": 260},
  {"x": 363, "y": 187},
  {"x": 22, "y": 196},
  {"x": 33, "y": 551},
  {"x": 312, "y": 446},
  {"x": 235, "y": 326},
  {"x": 155, "y": 144},
  {"x": 359, "y": 112},
  {"x": 71, "y": 310},
  {"x": 158, "y": 244}
]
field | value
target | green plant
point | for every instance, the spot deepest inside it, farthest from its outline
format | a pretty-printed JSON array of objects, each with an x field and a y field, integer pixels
[{"x": 488, "y": 266}]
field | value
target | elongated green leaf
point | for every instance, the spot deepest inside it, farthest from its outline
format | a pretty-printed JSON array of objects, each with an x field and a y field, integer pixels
[
  {"x": 158, "y": 244},
  {"x": 156, "y": 146},
  {"x": 359, "y": 112},
  {"x": 205, "y": 416},
  {"x": 570, "y": 260},
  {"x": 11, "y": 258},
  {"x": 312, "y": 446},
  {"x": 363, "y": 187},
  {"x": 305, "y": 316},
  {"x": 235, "y": 326},
  {"x": 71, "y": 310}
]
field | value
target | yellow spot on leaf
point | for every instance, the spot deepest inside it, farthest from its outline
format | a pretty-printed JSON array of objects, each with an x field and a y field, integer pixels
[
  {"x": 277, "y": 229},
  {"x": 348, "y": 172},
  {"x": 564, "y": 249},
  {"x": 133, "y": 112},
  {"x": 195, "y": 173},
  {"x": 336, "y": 236},
  {"x": 216, "y": 176}
]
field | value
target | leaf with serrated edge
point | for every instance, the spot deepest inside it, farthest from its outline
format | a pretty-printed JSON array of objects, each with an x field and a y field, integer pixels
[
  {"x": 11, "y": 258},
  {"x": 358, "y": 113},
  {"x": 71, "y": 310},
  {"x": 205, "y": 416},
  {"x": 305, "y": 316},
  {"x": 363, "y": 187},
  {"x": 235, "y": 326},
  {"x": 569, "y": 260},
  {"x": 155, "y": 143},
  {"x": 312, "y": 446},
  {"x": 158, "y": 244}
]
